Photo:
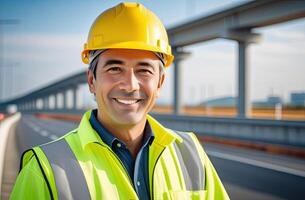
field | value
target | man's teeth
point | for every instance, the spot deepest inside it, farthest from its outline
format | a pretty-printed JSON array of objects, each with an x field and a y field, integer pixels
[{"x": 128, "y": 102}]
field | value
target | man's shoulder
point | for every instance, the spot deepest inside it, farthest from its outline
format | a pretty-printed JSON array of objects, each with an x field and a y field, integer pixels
[{"x": 183, "y": 134}]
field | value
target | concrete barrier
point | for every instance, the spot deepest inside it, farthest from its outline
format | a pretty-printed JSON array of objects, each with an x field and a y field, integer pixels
[
  {"x": 4, "y": 130},
  {"x": 284, "y": 137},
  {"x": 283, "y": 132}
]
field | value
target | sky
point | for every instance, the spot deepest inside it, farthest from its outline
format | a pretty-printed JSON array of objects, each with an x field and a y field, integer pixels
[{"x": 45, "y": 45}]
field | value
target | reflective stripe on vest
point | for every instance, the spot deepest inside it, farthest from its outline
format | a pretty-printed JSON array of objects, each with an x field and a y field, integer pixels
[
  {"x": 71, "y": 183},
  {"x": 69, "y": 178},
  {"x": 192, "y": 169}
]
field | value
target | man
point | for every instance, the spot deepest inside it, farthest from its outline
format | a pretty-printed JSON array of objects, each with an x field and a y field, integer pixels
[{"x": 119, "y": 151}]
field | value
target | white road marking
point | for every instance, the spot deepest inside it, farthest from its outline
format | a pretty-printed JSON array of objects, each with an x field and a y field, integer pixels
[
  {"x": 53, "y": 137},
  {"x": 36, "y": 128},
  {"x": 44, "y": 133},
  {"x": 257, "y": 163}
]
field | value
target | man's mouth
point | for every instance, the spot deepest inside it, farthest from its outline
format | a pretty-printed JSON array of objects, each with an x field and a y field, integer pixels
[{"x": 127, "y": 101}]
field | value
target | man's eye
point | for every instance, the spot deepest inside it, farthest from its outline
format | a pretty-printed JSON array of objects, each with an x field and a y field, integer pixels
[
  {"x": 145, "y": 71},
  {"x": 114, "y": 69}
]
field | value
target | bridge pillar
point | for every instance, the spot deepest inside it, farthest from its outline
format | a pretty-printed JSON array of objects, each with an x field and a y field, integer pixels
[
  {"x": 244, "y": 104},
  {"x": 56, "y": 100},
  {"x": 65, "y": 99},
  {"x": 34, "y": 103},
  {"x": 180, "y": 55},
  {"x": 74, "y": 91},
  {"x": 244, "y": 37},
  {"x": 46, "y": 103}
]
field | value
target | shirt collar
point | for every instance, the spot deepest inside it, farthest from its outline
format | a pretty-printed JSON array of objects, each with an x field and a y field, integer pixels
[
  {"x": 109, "y": 139},
  {"x": 105, "y": 135}
]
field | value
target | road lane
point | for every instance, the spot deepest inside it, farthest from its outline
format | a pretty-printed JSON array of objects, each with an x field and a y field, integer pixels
[
  {"x": 257, "y": 181},
  {"x": 33, "y": 131}
]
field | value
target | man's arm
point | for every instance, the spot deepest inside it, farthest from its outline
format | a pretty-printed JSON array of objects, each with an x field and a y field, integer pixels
[{"x": 30, "y": 183}]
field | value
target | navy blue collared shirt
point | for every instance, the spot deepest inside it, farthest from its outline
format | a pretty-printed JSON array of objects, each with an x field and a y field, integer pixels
[{"x": 137, "y": 169}]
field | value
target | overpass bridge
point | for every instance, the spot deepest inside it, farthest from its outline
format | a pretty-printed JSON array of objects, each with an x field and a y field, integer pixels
[{"x": 237, "y": 24}]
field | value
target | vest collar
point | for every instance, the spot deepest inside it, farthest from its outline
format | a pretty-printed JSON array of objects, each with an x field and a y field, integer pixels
[
  {"x": 85, "y": 131},
  {"x": 163, "y": 136}
]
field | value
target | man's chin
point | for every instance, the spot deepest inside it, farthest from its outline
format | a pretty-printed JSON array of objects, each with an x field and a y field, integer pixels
[{"x": 130, "y": 119}]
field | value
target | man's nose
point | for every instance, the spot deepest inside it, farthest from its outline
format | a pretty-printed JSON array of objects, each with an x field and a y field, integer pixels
[{"x": 130, "y": 81}]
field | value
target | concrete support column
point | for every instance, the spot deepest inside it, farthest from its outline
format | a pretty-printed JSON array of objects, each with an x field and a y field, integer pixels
[
  {"x": 177, "y": 87},
  {"x": 65, "y": 99},
  {"x": 74, "y": 91},
  {"x": 43, "y": 103},
  {"x": 244, "y": 37},
  {"x": 34, "y": 103},
  {"x": 243, "y": 103},
  {"x": 179, "y": 56},
  {"x": 56, "y": 100},
  {"x": 46, "y": 104}
]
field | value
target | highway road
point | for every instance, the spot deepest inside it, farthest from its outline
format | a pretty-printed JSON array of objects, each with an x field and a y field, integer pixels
[{"x": 246, "y": 174}]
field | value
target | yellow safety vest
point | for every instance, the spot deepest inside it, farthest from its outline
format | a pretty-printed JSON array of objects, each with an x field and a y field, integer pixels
[{"x": 80, "y": 165}]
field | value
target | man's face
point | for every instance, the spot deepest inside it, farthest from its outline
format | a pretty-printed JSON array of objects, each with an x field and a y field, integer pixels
[{"x": 126, "y": 86}]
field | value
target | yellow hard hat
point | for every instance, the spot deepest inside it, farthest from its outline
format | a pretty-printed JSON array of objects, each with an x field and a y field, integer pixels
[{"x": 128, "y": 26}]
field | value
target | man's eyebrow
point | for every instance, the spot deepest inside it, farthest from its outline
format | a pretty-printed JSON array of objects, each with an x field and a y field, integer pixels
[{"x": 113, "y": 62}]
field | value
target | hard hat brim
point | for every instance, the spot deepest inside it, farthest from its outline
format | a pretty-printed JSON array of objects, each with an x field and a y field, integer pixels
[{"x": 130, "y": 45}]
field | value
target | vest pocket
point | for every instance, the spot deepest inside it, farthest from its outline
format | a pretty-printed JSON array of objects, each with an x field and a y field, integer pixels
[{"x": 184, "y": 195}]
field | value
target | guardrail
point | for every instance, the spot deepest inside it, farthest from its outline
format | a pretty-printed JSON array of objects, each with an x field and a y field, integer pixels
[
  {"x": 284, "y": 132},
  {"x": 261, "y": 130}
]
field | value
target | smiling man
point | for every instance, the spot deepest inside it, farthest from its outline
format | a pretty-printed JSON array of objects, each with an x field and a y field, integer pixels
[{"x": 119, "y": 151}]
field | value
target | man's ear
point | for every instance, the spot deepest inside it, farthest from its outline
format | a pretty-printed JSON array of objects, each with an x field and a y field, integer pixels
[
  {"x": 160, "y": 84},
  {"x": 91, "y": 81}
]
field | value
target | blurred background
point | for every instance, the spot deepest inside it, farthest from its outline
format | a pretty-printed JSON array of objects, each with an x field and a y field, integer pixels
[
  {"x": 41, "y": 43},
  {"x": 239, "y": 83}
]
